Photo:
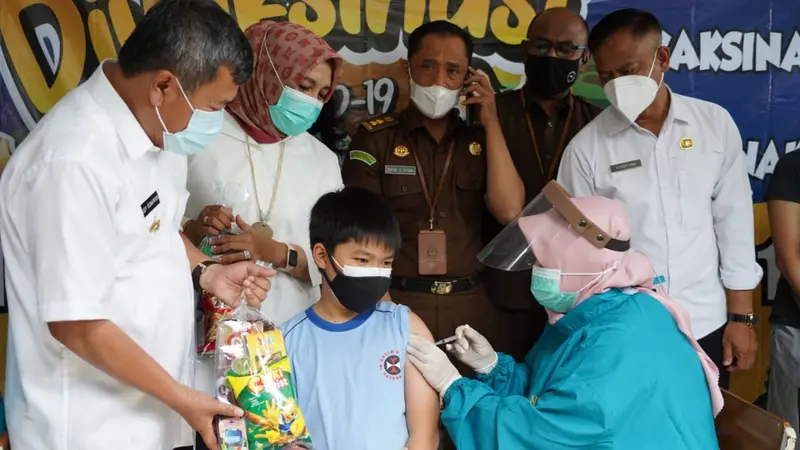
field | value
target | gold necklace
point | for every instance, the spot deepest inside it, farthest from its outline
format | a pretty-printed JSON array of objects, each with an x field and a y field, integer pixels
[{"x": 263, "y": 219}]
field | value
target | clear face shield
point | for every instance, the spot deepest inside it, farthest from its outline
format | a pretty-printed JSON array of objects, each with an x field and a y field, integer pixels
[{"x": 511, "y": 250}]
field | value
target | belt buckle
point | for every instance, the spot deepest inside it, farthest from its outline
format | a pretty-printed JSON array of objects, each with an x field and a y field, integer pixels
[{"x": 442, "y": 287}]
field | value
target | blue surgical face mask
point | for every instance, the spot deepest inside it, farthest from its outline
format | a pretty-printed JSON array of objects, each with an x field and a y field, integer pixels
[
  {"x": 295, "y": 112},
  {"x": 546, "y": 288},
  {"x": 202, "y": 128}
]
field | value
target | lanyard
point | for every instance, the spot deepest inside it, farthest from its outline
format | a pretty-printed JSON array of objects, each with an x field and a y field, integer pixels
[
  {"x": 560, "y": 148},
  {"x": 432, "y": 201}
]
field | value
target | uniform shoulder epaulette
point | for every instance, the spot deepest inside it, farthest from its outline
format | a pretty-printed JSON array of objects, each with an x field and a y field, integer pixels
[{"x": 379, "y": 123}]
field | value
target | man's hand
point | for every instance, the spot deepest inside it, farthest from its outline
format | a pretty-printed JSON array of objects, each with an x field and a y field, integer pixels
[
  {"x": 432, "y": 363},
  {"x": 199, "y": 410},
  {"x": 228, "y": 282},
  {"x": 740, "y": 343},
  {"x": 479, "y": 91}
]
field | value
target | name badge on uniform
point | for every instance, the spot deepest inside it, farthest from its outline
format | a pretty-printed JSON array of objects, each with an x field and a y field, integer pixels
[
  {"x": 150, "y": 204},
  {"x": 626, "y": 166},
  {"x": 400, "y": 170}
]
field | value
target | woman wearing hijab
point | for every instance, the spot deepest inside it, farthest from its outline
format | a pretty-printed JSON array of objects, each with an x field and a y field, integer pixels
[
  {"x": 267, "y": 167},
  {"x": 617, "y": 366}
]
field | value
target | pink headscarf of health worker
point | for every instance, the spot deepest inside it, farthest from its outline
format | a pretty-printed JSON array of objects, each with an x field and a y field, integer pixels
[
  {"x": 294, "y": 51},
  {"x": 592, "y": 261}
]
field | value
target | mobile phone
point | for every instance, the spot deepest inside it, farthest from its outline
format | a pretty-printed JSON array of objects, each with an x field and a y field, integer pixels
[{"x": 473, "y": 112}]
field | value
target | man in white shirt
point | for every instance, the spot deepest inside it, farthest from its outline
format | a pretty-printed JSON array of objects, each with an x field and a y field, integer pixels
[
  {"x": 98, "y": 275},
  {"x": 676, "y": 162}
]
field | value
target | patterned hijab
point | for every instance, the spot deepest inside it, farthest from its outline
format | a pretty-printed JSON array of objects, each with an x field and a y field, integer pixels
[{"x": 294, "y": 51}]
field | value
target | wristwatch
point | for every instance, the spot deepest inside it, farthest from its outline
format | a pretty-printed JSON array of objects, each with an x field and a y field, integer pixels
[
  {"x": 751, "y": 320},
  {"x": 290, "y": 262},
  {"x": 198, "y": 271}
]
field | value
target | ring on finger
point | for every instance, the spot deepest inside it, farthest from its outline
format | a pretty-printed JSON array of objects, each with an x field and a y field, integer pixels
[
  {"x": 246, "y": 255},
  {"x": 205, "y": 220}
]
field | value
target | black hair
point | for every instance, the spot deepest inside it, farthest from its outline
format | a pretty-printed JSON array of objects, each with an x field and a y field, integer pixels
[
  {"x": 353, "y": 214},
  {"x": 190, "y": 38},
  {"x": 638, "y": 22},
  {"x": 439, "y": 28}
]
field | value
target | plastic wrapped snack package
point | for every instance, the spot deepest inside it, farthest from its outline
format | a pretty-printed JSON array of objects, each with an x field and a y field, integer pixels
[
  {"x": 231, "y": 195},
  {"x": 253, "y": 372}
]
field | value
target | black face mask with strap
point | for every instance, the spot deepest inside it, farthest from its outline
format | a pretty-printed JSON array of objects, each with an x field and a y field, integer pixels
[
  {"x": 357, "y": 294},
  {"x": 549, "y": 76}
]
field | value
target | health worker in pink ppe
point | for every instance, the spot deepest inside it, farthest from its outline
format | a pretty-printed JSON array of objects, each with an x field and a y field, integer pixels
[{"x": 617, "y": 366}]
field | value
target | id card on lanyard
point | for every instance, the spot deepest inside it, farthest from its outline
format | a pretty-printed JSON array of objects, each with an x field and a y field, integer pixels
[{"x": 432, "y": 243}]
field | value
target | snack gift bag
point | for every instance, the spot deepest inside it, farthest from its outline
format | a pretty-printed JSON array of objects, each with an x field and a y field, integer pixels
[
  {"x": 231, "y": 195},
  {"x": 253, "y": 372}
]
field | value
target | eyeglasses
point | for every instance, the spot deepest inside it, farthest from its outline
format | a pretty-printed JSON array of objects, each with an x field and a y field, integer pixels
[{"x": 541, "y": 47}]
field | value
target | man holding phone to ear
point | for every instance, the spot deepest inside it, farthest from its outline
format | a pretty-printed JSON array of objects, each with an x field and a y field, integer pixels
[
  {"x": 437, "y": 173},
  {"x": 538, "y": 121}
]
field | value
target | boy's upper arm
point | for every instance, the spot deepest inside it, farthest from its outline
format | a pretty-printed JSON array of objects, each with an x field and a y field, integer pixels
[
  {"x": 422, "y": 402},
  {"x": 418, "y": 327}
]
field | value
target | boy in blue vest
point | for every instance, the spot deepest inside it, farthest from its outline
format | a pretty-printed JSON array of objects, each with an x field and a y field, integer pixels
[{"x": 354, "y": 385}]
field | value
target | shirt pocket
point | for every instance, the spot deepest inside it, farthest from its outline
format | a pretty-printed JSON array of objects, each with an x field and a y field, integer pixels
[
  {"x": 130, "y": 216},
  {"x": 177, "y": 209},
  {"x": 404, "y": 193},
  {"x": 470, "y": 190},
  {"x": 135, "y": 231},
  {"x": 698, "y": 172}
]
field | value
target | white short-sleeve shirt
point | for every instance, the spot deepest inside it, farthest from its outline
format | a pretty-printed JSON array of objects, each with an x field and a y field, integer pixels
[
  {"x": 688, "y": 196},
  {"x": 309, "y": 170},
  {"x": 89, "y": 217}
]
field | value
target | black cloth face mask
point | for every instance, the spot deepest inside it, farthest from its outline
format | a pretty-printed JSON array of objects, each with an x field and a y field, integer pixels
[
  {"x": 360, "y": 290},
  {"x": 549, "y": 76}
]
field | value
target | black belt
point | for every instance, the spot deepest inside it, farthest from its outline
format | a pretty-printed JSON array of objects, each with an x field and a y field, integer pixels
[{"x": 438, "y": 286}]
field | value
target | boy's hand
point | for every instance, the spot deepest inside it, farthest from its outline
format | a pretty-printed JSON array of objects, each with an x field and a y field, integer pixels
[{"x": 199, "y": 410}]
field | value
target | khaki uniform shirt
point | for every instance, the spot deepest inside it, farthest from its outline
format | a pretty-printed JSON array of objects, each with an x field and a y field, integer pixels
[{"x": 380, "y": 160}]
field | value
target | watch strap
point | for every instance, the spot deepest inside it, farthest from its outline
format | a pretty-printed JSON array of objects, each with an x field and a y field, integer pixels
[
  {"x": 750, "y": 320},
  {"x": 281, "y": 265},
  {"x": 289, "y": 262},
  {"x": 198, "y": 271}
]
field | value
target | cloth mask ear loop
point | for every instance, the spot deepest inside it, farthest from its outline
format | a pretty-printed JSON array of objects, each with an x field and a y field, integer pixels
[
  {"x": 186, "y": 97},
  {"x": 269, "y": 58},
  {"x": 653, "y": 66},
  {"x": 595, "y": 280}
]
